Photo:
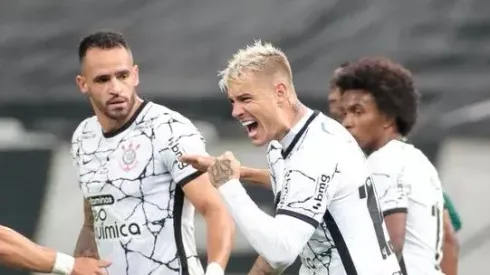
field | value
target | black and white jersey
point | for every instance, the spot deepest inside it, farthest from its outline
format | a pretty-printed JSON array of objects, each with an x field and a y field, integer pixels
[
  {"x": 320, "y": 176},
  {"x": 407, "y": 182},
  {"x": 133, "y": 181}
]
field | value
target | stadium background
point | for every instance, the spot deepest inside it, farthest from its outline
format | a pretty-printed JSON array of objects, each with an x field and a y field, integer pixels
[{"x": 180, "y": 45}]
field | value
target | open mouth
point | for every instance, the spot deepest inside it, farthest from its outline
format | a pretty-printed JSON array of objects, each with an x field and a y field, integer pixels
[{"x": 251, "y": 127}]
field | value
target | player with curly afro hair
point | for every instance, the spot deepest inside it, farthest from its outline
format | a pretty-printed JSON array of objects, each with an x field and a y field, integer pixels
[{"x": 379, "y": 101}]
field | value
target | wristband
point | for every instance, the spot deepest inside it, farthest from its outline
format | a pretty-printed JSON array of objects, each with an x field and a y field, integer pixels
[
  {"x": 63, "y": 264},
  {"x": 214, "y": 269}
]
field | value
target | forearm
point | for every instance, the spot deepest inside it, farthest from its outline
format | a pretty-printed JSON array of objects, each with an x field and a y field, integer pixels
[
  {"x": 449, "y": 263},
  {"x": 262, "y": 267},
  {"x": 265, "y": 233},
  {"x": 86, "y": 245},
  {"x": 220, "y": 234},
  {"x": 16, "y": 251},
  {"x": 258, "y": 176}
]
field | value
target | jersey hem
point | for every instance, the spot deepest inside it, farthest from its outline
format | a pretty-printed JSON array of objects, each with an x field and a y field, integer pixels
[
  {"x": 189, "y": 178},
  {"x": 394, "y": 211},
  {"x": 298, "y": 216}
]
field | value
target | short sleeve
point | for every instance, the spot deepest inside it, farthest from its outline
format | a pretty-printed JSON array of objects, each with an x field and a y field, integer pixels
[
  {"x": 309, "y": 185},
  {"x": 181, "y": 137},
  {"x": 392, "y": 190}
]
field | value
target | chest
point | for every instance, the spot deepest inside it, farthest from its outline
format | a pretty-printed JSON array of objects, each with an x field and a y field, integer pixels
[{"x": 126, "y": 166}]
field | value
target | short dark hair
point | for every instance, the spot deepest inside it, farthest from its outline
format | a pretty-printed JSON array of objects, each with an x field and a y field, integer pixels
[
  {"x": 102, "y": 40},
  {"x": 336, "y": 72},
  {"x": 344, "y": 64},
  {"x": 390, "y": 84}
]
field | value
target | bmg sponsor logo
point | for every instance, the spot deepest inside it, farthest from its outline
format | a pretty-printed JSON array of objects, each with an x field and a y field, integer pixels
[
  {"x": 175, "y": 148},
  {"x": 105, "y": 229},
  {"x": 320, "y": 191}
]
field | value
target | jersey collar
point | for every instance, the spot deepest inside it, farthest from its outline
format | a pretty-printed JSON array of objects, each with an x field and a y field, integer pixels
[{"x": 293, "y": 136}]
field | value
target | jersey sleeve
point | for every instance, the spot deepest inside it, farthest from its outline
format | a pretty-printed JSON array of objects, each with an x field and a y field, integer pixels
[
  {"x": 180, "y": 137},
  {"x": 392, "y": 190},
  {"x": 310, "y": 183}
]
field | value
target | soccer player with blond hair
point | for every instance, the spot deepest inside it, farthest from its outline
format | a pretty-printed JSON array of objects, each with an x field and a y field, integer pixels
[{"x": 326, "y": 207}]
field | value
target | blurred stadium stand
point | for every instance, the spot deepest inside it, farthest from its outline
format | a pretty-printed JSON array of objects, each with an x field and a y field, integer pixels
[{"x": 180, "y": 46}]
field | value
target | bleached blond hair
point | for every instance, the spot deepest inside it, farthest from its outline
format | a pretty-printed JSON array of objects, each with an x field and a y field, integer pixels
[{"x": 257, "y": 58}]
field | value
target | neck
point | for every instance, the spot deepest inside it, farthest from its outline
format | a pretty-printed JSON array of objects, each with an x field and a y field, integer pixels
[
  {"x": 296, "y": 112},
  {"x": 108, "y": 124}
]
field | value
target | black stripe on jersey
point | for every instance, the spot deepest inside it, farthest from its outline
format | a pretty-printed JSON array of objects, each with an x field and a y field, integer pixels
[
  {"x": 127, "y": 124},
  {"x": 277, "y": 200},
  {"x": 189, "y": 178},
  {"x": 395, "y": 210},
  {"x": 178, "y": 208},
  {"x": 298, "y": 216},
  {"x": 339, "y": 242},
  {"x": 299, "y": 134},
  {"x": 403, "y": 267}
]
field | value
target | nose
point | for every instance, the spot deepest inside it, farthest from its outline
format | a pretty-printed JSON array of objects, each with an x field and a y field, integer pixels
[
  {"x": 116, "y": 86},
  {"x": 237, "y": 110},
  {"x": 347, "y": 121}
]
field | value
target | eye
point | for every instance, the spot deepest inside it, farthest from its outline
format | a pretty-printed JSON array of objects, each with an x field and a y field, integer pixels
[
  {"x": 123, "y": 75},
  {"x": 102, "y": 79}
]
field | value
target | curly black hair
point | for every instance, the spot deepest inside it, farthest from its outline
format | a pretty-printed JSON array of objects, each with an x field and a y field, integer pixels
[
  {"x": 102, "y": 40},
  {"x": 390, "y": 84}
]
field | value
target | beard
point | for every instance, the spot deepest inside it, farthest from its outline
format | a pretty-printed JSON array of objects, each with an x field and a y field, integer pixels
[{"x": 116, "y": 108}]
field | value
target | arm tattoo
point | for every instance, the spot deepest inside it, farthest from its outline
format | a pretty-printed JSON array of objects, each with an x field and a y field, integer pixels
[
  {"x": 220, "y": 172},
  {"x": 89, "y": 217}
]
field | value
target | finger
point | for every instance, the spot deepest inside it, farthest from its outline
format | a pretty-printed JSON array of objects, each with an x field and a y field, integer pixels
[
  {"x": 188, "y": 158},
  {"x": 103, "y": 263},
  {"x": 228, "y": 155}
]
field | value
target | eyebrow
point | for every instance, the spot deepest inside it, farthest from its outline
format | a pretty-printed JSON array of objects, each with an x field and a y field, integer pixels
[{"x": 102, "y": 76}]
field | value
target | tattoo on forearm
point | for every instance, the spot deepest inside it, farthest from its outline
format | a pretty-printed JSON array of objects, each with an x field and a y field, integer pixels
[
  {"x": 220, "y": 172},
  {"x": 89, "y": 217}
]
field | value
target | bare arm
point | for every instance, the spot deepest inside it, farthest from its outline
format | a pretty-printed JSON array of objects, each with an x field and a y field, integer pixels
[
  {"x": 449, "y": 263},
  {"x": 16, "y": 251},
  {"x": 396, "y": 224},
  {"x": 260, "y": 177},
  {"x": 86, "y": 246},
  {"x": 220, "y": 226}
]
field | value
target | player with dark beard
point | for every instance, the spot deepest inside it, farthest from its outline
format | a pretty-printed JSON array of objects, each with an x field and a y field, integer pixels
[{"x": 139, "y": 199}]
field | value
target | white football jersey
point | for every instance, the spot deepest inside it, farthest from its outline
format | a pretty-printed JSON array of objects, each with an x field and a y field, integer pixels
[
  {"x": 407, "y": 181},
  {"x": 319, "y": 175},
  {"x": 133, "y": 180}
]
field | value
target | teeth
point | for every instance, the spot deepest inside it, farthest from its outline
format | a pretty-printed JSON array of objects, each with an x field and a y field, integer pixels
[{"x": 246, "y": 123}]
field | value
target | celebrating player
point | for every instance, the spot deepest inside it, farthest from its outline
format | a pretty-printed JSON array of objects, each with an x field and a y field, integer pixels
[
  {"x": 139, "y": 199},
  {"x": 334, "y": 96},
  {"x": 326, "y": 208},
  {"x": 379, "y": 101},
  {"x": 18, "y": 252}
]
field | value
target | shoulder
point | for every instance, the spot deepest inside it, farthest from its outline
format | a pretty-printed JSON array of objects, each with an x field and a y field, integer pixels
[
  {"x": 391, "y": 158},
  {"x": 166, "y": 121},
  {"x": 88, "y": 128},
  {"x": 326, "y": 139}
]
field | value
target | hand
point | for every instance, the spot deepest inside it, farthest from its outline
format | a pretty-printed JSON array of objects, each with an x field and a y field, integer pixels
[
  {"x": 199, "y": 162},
  {"x": 225, "y": 168},
  {"x": 88, "y": 266}
]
